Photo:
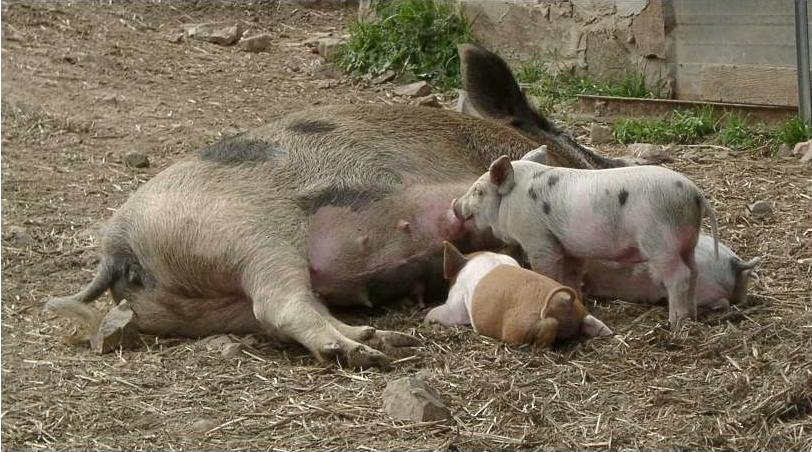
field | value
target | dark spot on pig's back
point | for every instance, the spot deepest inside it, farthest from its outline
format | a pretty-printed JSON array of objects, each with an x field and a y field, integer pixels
[
  {"x": 312, "y": 126},
  {"x": 552, "y": 180},
  {"x": 679, "y": 184},
  {"x": 546, "y": 206},
  {"x": 623, "y": 196},
  {"x": 339, "y": 197},
  {"x": 532, "y": 193},
  {"x": 238, "y": 149}
]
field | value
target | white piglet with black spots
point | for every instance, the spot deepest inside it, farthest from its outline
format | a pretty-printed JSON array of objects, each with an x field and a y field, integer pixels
[{"x": 563, "y": 218}]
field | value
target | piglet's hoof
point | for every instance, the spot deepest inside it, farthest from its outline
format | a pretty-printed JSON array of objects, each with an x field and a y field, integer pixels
[
  {"x": 392, "y": 342},
  {"x": 354, "y": 355}
]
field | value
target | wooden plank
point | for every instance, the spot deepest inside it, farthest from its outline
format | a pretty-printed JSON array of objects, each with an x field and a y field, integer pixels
[{"x": 749, "y": 84}]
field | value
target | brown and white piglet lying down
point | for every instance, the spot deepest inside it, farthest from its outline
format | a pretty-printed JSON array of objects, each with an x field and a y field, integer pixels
[
  {"x": 720, "y": 281},
  {"x": 502, "y": 300},
  {"x": 563, "y": 218}
]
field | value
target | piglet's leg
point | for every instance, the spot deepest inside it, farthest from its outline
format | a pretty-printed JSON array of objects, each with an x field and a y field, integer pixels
[
  {"x": 548, "y": 258},
  {"x": 678, "y": 274}
]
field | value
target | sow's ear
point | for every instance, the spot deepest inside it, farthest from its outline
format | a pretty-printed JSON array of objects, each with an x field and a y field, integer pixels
[
  {"x": 501, "y": 172},
  {"x": 453, "y": 260},
  {"x": 538, "y": 155}
]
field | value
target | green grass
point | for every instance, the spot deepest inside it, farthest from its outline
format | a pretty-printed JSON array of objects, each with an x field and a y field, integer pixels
[
  {"x": 552, "y": 90},
  {"x": 793, "y": 131},
  {"x": 702, "y": 125},
  {"x": 417, "y": 39}
]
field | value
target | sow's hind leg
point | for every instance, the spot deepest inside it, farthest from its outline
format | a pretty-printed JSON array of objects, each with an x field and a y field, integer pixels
[{"x": 279, "y": 286}]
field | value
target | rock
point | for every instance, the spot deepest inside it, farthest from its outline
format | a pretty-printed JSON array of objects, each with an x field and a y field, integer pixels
[
  {"x": 784, "y": 150},
  {"x": 416, "y": 89},
  {"x": 387, "y": 76},
  {"x": 807, "y": 156},
  {"x": 117, "y": 328},
  {"x": 176, "y": 38},
  {"x": 645, "y": 150},
  {"x": 428, "y": 101},
  {"x": 600, "y": 133},
  {"x": 760, "y": 209},
  {"x": 409, "y": 398},
  {"x": 136, "y": 160},
  {"x": 256, "y": 43},
  {"x": 313, "y": 41},
  {"x": 17, "y": 236},
  {"x": 224, "y": 34},
  {"x": 802, "y": 148},
  {"x": 225, "y": 344},
  {"x": 231, "y": 350},
  {"x": 203, "y": 425},
  {"x": 328, "y": 46}
]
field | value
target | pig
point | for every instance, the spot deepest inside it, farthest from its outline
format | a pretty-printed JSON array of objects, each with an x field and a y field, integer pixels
[
  {"x": 220, "y": 242},
  {"x": 396, "y": 237},
  {"x": 502, "y": 300},
  {"x": 563, "y": 217},
  {"x": 719, "y": 283}
]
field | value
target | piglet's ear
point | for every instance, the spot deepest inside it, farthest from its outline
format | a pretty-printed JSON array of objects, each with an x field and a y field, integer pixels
[
  {"x": 501, "y": 172},
  {"x": 453, "y": 260}
]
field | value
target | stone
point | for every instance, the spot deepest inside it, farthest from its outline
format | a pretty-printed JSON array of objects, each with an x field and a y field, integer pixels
[
  {"x": 428, "y": 101},
  {"x": 223, "y": 343},
  {"x": 224, "y": 34},
  {"x": 257, "y": 43},
  {"x": 760, "y": 209},
  {"x": 784, "y": 150},
  {"x": 17, "y": 236},
  {"x": 176, "y": 38},
  {"x": 203, "y": 425},
  {"x": 387, "y": 76},
  {"x": 802, "y": 148},
  {"x": 645, "y": 150},
  {"x": 136, "y": 160},
  {"x": 231, "y": 350},
  {"x": 807, "y": 157},
  {"x": 416, "y": 89},
  {"x": 328, "y": 46},
  {"x": 410, "y": 399},
  {"x": 117, "y": 329},
  {"x": 600, "y": 133}
]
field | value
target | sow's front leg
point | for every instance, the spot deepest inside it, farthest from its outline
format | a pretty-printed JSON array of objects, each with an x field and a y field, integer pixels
[{"x": 284, "y": 305}]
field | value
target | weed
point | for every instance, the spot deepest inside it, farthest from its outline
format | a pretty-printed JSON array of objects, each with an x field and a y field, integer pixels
[
  {"x": 681, "y": 127},
  {"x": 417, "y": 39},
  {"x": 793, "y": 131}
]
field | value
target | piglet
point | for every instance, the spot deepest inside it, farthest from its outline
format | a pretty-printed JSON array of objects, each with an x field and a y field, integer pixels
[
  {"x": 719, "y": 283},
  {"x": 502, "y": 300},
  {"x": 563, "y": 218}
]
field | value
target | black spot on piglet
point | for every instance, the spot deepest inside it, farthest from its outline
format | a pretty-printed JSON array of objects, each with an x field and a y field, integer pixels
[
  {"x": 532, "y": 193},
  {"x": 546, "y": 207},
  {"x": 678, "y": 184},
  {"x": 623, "y": 196},
  {"x": 552, "y": 180}
]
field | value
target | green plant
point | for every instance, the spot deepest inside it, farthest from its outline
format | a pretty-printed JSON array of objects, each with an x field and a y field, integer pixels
[
  {"x": 793, "y": 131},
  {"x": 681, "y": 127},
  {"x": 417, "y": 39}
]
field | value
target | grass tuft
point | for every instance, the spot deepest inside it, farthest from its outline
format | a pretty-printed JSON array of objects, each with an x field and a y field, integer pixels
[{"x": 417, "y": 39}]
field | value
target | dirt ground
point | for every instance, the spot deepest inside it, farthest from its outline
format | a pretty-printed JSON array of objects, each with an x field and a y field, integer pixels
[{"x": 84, "y": 84}]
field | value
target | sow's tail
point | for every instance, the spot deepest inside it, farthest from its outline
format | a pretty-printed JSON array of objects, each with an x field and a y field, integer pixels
[
  {"x": 76, "y": 306},
  {"x": 493, "y": 93}
]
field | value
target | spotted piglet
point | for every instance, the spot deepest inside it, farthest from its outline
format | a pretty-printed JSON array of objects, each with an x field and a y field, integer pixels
[
  {"x": 721, "y": 280},
  {"x": 564, "y": 217},
  {"x": 502, "y": 300}
]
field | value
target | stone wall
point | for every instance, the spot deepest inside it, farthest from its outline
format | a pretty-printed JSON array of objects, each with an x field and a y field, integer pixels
[{"x": 720, "y": 50}]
